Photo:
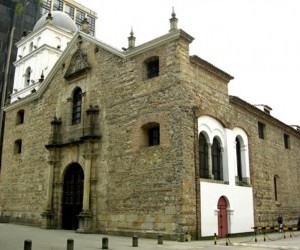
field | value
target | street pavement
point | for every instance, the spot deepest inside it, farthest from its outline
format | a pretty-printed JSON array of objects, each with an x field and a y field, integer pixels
[{"x": 12, "y": 237}]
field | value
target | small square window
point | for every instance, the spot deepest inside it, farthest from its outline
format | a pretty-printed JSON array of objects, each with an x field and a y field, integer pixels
[{"x": 261, "y": 130}]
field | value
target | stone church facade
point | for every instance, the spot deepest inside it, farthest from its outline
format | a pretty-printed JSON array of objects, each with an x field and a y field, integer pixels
[{"x": 145, "y": 141}]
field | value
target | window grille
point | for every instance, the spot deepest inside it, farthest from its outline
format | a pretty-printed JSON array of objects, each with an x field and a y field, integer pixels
[
  {"x": 77, "y": 102},
  {"x": 203, "y": 156},
  {"x": 217, "y": 160},
  {"x": 239, "y": 159}
]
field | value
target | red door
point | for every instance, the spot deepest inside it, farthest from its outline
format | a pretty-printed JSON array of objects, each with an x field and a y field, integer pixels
[{"x": 222, "y": 217}]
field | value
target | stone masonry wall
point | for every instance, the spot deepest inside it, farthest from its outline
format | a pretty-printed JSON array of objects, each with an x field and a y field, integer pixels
[
  {"x": 136, "y": 188},
  {"x": 269, "y": 158}
]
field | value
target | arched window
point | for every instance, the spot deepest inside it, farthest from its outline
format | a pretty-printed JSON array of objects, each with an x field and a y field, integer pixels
[
  {"x": 154, "y": 136},
  {"x": 57, "y": 42},
  {"x": 239, "y": 159},
  {"x": 203, "y": 156},
  {"x": 38, "y": 43},
  {"x": 20, "y": 117},
  {"x": 27, "y": 76},
  {"x": 24, "y": 51},
  {"x": 31, "y": 47},
  {"x": 217, "y": 168},
  {"x": 76, "y": 109}
]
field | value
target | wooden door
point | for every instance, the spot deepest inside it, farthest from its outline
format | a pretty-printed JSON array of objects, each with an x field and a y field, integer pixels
[
  {"x": 72, "y": 197},
  {"x": 222, "y": 217}
]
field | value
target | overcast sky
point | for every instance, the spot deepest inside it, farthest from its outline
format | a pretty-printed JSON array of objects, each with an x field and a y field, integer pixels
[{"x": 255, "y": 41}]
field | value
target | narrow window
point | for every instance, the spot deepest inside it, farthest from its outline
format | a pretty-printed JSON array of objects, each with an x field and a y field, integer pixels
[
  {"x": 203, "y": 156},
  {"x": 286, "y": 141},
  {"x": 217, "y": 167},
  {"x": 38, "y": 43},
  {"x": 152, "y": 67},
  {"x": 20, "y": 117},
  {"x": 76, "y": 109},
  {"x": 18, "y": 146},
  {"x": 276, "y": 183},
  {"x": 261, "y": 130},
  {"x": 58, "y": 5},
  {"x": 27, "y": 76},
  {"x": 58, "y": 42},
  {"x": 69, "y": 10},
  {"x": 31, "y": 47},
  {"x": 154, "y": 136},
  {"x": 239, "y": 159}
]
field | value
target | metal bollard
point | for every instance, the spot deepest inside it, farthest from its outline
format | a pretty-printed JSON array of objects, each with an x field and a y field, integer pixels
[
  {"x": 105, "y": 243},
  {"x": 255, "y": 237},
  {"x": 215, "y": 239},
  {"x": 135, "y": 241},
  {"x": 27, "y": 244},
  {"x": 70, "y": 244},
  {"x": 160, "y": 239}
]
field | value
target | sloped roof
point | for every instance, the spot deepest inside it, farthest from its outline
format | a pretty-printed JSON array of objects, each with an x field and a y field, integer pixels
[
  {"x": 263, "y": 115},
  {"x": 210, "y": 67}
]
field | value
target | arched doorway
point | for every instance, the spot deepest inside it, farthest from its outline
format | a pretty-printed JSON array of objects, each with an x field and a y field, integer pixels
[
  {"x": 72, "y": 196},
  {"x": 222, "y": 217}
]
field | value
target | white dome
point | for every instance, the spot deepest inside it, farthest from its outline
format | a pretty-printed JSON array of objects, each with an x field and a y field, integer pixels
[{"x": 59, "y": 19}]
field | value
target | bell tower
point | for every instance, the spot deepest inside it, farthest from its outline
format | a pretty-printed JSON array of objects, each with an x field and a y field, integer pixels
[{"x": 39, "y": 50}]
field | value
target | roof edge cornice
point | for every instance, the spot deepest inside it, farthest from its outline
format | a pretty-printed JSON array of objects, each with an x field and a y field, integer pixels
[
  {"x": 211, "y": 68},
  {"x": 256, "y": 111},
  {"x": 36, "y": 51},
  {"x": 173, "y": 35},
  {"x": 41, "y": 30}
]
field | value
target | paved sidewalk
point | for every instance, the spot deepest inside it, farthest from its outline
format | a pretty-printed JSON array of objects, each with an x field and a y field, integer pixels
[{"x": 12, "y": 237}]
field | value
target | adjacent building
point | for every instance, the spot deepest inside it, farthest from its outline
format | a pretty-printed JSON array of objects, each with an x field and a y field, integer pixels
[
  {"x": 18, "y": 19},
  {"x": 75, "y": 10},
  {"x": 145, "y": 140}
]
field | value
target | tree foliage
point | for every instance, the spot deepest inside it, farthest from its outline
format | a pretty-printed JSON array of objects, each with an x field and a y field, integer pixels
[{"x": 21, "y": 3}]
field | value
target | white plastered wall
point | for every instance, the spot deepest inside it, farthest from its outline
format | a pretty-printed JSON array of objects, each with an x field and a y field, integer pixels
[{"x": 240, "y": 198}]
